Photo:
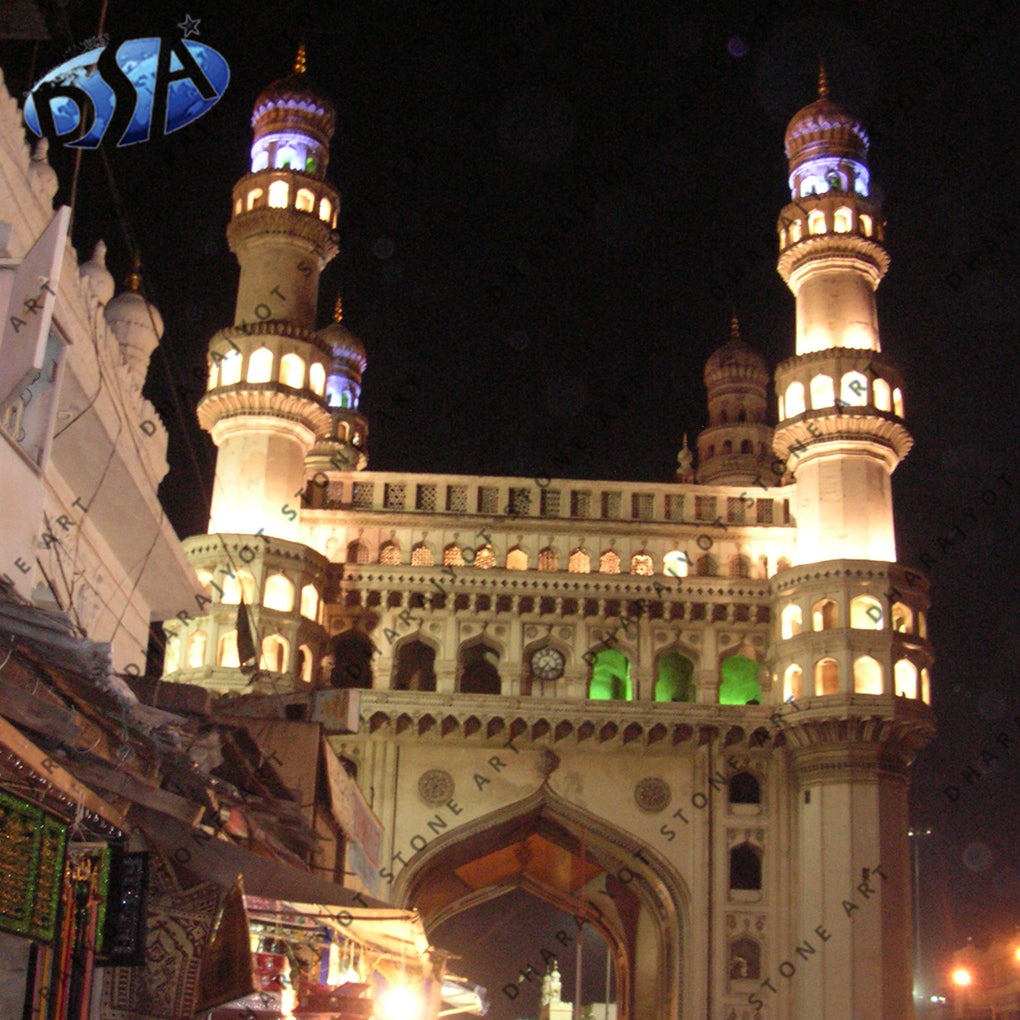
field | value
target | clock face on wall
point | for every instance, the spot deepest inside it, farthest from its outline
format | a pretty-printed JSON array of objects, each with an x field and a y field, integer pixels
[{"x": 547, "y": 664}]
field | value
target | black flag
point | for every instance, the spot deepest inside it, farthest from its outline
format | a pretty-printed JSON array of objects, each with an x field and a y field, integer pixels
[{"x": 245, "y": 642}]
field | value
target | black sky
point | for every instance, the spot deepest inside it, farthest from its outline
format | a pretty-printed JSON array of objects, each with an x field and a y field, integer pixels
[{"x": 540, "y": 198}]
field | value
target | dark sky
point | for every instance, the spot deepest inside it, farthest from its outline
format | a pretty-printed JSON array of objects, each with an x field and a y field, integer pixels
[{"x": 540, "y": 198}]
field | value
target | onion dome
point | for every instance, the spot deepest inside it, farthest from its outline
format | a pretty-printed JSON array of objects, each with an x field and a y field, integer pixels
[
  {"x": 347, "y": 349},
  {"x": 135, "y": 323},
  {"x": 736, "y": 360},
  {"x": 295, "y": 109},
  {"x": 823, "y": 129},
  {"x": 96, "y": 275}
]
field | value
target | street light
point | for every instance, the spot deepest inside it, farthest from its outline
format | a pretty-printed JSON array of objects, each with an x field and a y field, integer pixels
[
  {"x": 962, "y": 977},
  {"x": 398, "y": 1002},
  {"x": 915, "y": 835}
]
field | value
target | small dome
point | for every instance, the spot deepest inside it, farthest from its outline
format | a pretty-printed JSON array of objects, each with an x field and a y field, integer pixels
[
  {"x": 344, "y": 344},
  {"x": 294, "y": 103},
  {"x": 736, "y": 358},
  {"x": 824, "y": 129},
  {"x": 135, "y": 323},
  {"x": 95, "y": 273}
]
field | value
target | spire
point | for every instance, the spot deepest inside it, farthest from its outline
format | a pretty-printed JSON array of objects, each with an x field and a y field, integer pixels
[
  {"x": 134, "y": 278},
  {"x": 299, "y": 60},
  {"x": 823, "y": 82},
  {"x": 338, "y": 312}
]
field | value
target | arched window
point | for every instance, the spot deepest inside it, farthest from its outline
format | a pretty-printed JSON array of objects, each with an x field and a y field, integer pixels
[
  {"x": 226, "y": 650},
  {"x": 902, "y": 618},
  {"x": 794, "y": 399},
  {"x": 867, "y": 676},
  {"x": 304, "y": 201},
  {"x": 843, "y": 220},
  {"x": 795, "y": 231},
  {"x": 745, "y": 959},
  {"x": 674, "y": 678},
  {"x": 213, "y": 376},
  {"x": 791, "y": 622},
  {"x": 822, "y": 393},
  {"x": 230, "y": 369},
  {"x": 452, "y": 556},
  {"x": 816, "y": 222},
  {"x": 905, "y": 678},
  {"x": 739, "y": 681},
  {"x": 479, "y": 674},
  {"x": 233, "y": 586},
  {"x": 172, "y": 655},
  {"x": 421, "y": 555},
  {"x": 609, "y": 563},
  {"x": 310, "y": 602},
  {"x": 782, "y": 238},
  {"x": 196, "y": 649},
  {"x": 325, "y": 210},
  {"x": 897, "y": 402},
  {"x": 866, "y": 613},
  {"x": 745, "y": 867},
  {"x": 279, "y": 593},
  {"x": 853, "y": 389},
  {"x": 351, "y": 653},
  {"x": 925, "y": 687},
  {"x": 883, "y": 395},
  {"x": 317, "y": 378},
  {"x": 740, "y": 566},
  {"x": 389, "y": 554},
  {"x": 641, "y": 563},
  {"x": 744, "y": 789},
  {"x": 579, "y": 562},
  {"x": 286, "y": 157},
  {"x": 865, "y": 221},
  {"x": 485, "y": 558},
  {"x": 727, "y": 447},
  {"x": 260, "y": 365},
  {"x": 922, "y": 625},
  {"x": 516, "y": 559},
  {"x": 306, "y": 664},
  {"x": 746, "y": 446},
  {"x": 547, "y": 559},
  {"x": 675, "y": 563},
  {"x": 274, "y": 653},
  {"x": 793, "y": 681},
  {"x": 358, "y": 552},
  {"x": 826, "y": 676},
  {"x": 205, "y": 579},
  {"x": 610, "y": 677},
  {"x": 254, "y": 197},
  {"x": 278, "y": 193},
  {"x": 824, "y": 615},
  {"x": 415, "y": 667},
  {"x": 706, "y": 566},
  {"x": 292, "y": 371}
]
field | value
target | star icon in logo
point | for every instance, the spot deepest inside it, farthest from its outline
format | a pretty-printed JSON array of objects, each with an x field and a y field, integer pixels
[{"x": 189, "y": 25}]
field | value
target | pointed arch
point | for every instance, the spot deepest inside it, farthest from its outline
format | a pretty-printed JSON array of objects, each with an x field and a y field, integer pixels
[
  {"x": 414, "y": 665},
  {"x": 609, "y": 562},
  {"x": 351, "y": 652},
  {"x": 610, "y": 677},
  {"x": 738, "y": 681},
  {"x": 674, "y": 677},
  {"x": 479, "y": 669}
]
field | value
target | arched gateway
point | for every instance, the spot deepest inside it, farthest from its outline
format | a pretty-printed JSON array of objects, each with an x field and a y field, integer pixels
[{"x": 581, "y": 864}]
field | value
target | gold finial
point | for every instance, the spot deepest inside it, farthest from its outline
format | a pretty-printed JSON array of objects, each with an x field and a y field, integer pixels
[
  {"x": 734, "y": 327},
  {"x": 299, "y": 60},
  {"x": 338, "y": 312},
  {"x": 134, "y": 278},
  {"x": 685, "y": 441},
  {"x": 823, "y": 82}
]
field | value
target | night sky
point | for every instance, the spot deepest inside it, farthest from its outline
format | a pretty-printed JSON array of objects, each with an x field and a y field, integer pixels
[{"x": 541, "y": 199}]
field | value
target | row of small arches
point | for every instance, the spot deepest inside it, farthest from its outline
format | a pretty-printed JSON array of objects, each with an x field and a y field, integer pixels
[
  {"x": 258, "y": 367},
  {"x": 277, "y": 196},
  {"x": 866, "y": 613},
  {"x": 278, "y": 592},
  {"x": 674, "y": 564},
  {"x": 868, "y": 678},
  {"x": 853, "y": 392},
  {"x": 843, "y": 222},
  {"x": 746, "y": 447}
]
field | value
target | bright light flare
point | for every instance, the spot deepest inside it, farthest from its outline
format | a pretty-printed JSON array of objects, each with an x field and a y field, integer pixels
[
  {"x": 962, "y": 977},
  {"x": 398, "y": 1003}
]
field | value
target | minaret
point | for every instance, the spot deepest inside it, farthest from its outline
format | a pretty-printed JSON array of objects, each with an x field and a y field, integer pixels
[
  {"x": 266, "y": 400},
  {"x": 736, "y": 448},
  {"x": 840, "y": 401},
  {"x": 849, "y": 646}
]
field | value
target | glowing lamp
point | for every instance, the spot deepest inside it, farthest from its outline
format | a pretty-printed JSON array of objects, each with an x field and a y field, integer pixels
[
  {"x": 398, "y": 1003},
  {"x": 962, "y": 977}
]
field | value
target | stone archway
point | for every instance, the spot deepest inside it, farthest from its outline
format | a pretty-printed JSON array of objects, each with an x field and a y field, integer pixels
[{"x": 581, "y": 864}]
